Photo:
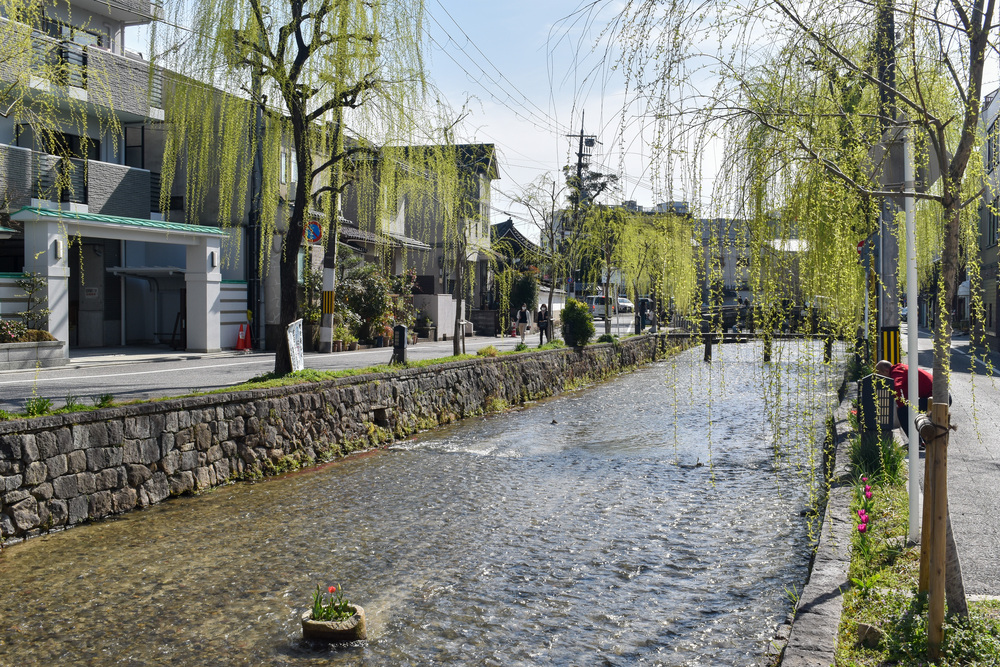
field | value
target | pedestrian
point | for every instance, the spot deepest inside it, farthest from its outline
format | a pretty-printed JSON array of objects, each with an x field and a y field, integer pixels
[
  {"x": 899, "y": 375},
  {"x": 642, "y": 314},
  {"x": 522, "y": 320},
  {"x": 544, "y": 321}
]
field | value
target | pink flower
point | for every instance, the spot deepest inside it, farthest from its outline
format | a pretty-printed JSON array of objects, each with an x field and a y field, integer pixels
[
  {"x": 868, "y": 495},
  {"x": 862, "y": 527},
  {"x": 868, "y": 487},
  {"x": 864, "y": 479}
]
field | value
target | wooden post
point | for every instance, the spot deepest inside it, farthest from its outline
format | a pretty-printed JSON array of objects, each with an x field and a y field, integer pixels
[
  {"x": 938, "y": 534},
  {"x": 924, "y": 425},
  {"x": 708, "y": 347}
]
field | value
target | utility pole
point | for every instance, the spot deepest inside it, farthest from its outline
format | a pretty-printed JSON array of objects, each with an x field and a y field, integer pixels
[
  {"x": 888, "y": 303},
  {"x": 255, "y": 301},
  {"x": 583, "y": 153}
]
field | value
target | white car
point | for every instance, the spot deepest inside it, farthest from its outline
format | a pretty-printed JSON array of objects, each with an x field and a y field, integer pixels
[{"x": 624, "y": 305}]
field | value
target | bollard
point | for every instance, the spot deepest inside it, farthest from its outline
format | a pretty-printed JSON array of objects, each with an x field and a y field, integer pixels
[
  {"x": 767, "y": 350},
  {"x": 708, "y": 348}
]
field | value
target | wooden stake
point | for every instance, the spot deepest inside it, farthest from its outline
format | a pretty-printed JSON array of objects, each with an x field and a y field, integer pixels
[
  {"x": 923, "y": 581},
  {"x": 938, "y": 537}
]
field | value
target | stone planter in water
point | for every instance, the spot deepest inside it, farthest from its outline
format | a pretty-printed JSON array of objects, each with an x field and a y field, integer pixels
[{"x": 349, "y": 630}]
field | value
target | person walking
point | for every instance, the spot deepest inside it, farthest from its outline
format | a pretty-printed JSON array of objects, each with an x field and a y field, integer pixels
[
  {"x": 522, "y": 320},
  {"x": 544, "y": 321}
]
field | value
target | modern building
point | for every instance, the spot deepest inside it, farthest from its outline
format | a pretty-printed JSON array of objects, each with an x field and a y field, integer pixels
[{"x": 990, "y": 221}]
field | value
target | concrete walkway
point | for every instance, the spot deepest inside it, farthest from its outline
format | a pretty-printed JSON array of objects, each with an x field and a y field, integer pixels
[{"x": 973, "y": 461}]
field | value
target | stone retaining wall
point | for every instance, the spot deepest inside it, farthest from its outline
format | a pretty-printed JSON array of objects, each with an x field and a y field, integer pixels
[{"x": 61, "y": 470}]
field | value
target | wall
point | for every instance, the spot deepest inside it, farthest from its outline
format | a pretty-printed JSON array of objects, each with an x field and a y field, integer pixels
[{"x": 63, "y": 470}]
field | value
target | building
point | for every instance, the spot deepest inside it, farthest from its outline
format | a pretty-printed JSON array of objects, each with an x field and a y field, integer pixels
[{"x": 990, "y": 221}]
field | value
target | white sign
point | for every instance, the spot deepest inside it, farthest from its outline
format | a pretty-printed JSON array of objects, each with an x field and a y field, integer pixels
[{"x": 294, "y": 333}]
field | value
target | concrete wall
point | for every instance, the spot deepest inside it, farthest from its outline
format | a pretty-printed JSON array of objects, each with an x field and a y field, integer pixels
[{"x": 62, "y": 470}]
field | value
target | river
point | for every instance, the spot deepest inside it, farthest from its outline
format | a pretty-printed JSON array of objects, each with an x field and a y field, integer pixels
[{"x": 658, "y": 518}]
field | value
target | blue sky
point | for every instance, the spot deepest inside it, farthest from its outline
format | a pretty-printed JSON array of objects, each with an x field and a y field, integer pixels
[{"x": 528, "y": 69}]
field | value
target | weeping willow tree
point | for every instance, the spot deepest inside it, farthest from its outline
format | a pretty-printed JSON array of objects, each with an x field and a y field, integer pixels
[
  {"x": 40, "y": 63},
  {"x": 341, "y": 80}
]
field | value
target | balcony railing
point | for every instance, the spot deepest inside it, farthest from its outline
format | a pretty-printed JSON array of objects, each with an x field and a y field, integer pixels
[
  {"x": 64, "y": 62},
  {"x": 60, "y": 179}
]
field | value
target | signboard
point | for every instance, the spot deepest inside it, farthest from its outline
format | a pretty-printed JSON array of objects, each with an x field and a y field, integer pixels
[
  {"x": 314, "y": 231},
  {"x": 294, "y": 334},
  {"x": 92, "y": 292}
]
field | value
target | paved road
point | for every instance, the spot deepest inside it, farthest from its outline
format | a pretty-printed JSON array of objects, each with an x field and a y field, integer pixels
[
  {"x": 973, "y": 462},
  {"x": 139, "y": 373}
]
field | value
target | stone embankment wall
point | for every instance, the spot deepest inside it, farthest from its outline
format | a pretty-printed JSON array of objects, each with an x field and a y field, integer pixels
[{"x": 62, "y": 470}]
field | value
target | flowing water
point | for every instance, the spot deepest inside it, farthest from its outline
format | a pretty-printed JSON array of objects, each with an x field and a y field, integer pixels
[{"x": 652, "y": 519}]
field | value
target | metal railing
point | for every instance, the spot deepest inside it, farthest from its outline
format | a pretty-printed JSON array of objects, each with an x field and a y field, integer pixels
[{"x": 65, "y": 63}]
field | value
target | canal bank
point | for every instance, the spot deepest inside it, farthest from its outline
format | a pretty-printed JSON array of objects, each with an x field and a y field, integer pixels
[{"x": 63, "y": 470}]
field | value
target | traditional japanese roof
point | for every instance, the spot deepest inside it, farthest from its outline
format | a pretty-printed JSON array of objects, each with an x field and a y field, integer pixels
[{"x": 520, "y": 244}]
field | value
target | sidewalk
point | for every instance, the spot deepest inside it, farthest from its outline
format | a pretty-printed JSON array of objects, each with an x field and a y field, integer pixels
[{"x": 973, "y": 461}]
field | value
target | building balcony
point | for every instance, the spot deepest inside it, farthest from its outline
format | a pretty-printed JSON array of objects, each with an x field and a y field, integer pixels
[
  {"x": 101, "y": 187},
  {"x": 91, "y": 74}
]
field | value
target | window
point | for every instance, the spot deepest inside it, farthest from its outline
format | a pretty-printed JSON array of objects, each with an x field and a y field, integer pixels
[
  {"x": 993, "y": 223},
  {"x": 993, "y": 147},
  {"x": 284, "y": 168},
  {"x": 64, "y": 32}
]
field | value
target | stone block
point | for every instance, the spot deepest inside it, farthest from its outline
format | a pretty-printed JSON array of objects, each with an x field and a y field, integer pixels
[
  {"x": 14, "y": 496},
  {"x": 124, "y": 500},
  {"x": 107, "y": 479},
  {"x": 182, "y": 482},
  {"x": 221, "y": 470},
  {"x": 222, "y": 430},
  {"x": 10, "y": 446},
  {"x": 79, "y": 506},
  {"x": 86, "y": 482},
  {"x": 156, "y": 489},
  {"x": 157, "y": 425},
  {"x": 64, "y": 437},
  {"x": 228, "y": 448},
  {"x": 203, "y": 478},
  {"x": 236, "y": 428},
  {"x": 86, "y": 436},
  {"x": 35, "y": 473},
  {"x": 101, "y": 458},
  {"x": 29, "y": 448},
  {"x": 25, "y": 514},
  {"x": 149, "y": 451},
  {"x": 137, "y": 474},
  {"x": 166, "y": 443},
  {"x": 8, "y": 467},
  {"x": 170, "y": 422},
  {"x": 43, "y": 491},
  {"x": 58, "y": 511},
  {"x": 57, "y": 466},
  {"x": 189, "y": 460},
  {"x": 76, "y": 461},
  {"x": 137, "y": 427},
  {"x": 99, "y": 504},
  {"x": 65, "y": 487},
  {"x": 203, "y": 437},
  {"x": 116, "y": 432},
  {"x": 48, "y": 446},
  {"x": 7, "y": 528},
  {"x": 183, "y": 420},
  {"x": 213, "y": 454},
  {"x": 184, "y": 440}
]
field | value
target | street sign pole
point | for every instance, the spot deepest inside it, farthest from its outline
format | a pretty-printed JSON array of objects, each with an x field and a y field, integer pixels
[{"x": 912, "y": 334}]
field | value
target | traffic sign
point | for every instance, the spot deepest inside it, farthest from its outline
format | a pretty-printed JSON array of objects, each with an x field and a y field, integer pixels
[{"x": 313, "y": 231}]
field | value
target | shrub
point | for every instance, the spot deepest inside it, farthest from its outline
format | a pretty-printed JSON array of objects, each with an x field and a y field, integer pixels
[
  {"x": 877, "y": 457},
  {"x": 488, "y": 351},
  {"x": 606, "y": 338},
  {"x": 11, "y": 331},
  {"x": 520, "y": 347},
  {"x": 104, "y": 400},
  {"x": 577, "y": 327},
  {"x": 37, "y": 336}
]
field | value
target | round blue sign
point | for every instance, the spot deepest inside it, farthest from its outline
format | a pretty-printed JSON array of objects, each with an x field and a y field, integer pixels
[{"x": 314, "y": 232}]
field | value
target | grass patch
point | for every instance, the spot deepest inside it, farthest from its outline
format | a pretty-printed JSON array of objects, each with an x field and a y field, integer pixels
[{"x": 883, "y": 576}]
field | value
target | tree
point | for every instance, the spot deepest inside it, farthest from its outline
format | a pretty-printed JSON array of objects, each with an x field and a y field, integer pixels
[
  {"x": 604, "y": 228},
  {"x": 323, "y": 64},
  {"x": 541, "y": 199},
  {"x": 833, "y": 69}
]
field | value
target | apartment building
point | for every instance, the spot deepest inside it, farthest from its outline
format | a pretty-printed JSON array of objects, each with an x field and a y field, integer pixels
[{"x": 990, "y": 221}]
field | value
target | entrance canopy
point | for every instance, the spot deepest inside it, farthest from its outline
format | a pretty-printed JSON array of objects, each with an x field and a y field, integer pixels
[{"x": 48, "y": 232}]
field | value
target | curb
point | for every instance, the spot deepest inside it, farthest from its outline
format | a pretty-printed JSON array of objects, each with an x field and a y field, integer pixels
[{"x": 812, "y": 635}]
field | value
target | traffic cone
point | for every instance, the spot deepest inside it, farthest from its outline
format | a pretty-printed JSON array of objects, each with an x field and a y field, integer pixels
[{"x": 243, "y": 338}]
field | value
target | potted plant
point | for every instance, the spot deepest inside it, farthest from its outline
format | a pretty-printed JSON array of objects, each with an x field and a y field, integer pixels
[
  {"x": 333, "y": 618},
  {"x": 340, "y": 336}
]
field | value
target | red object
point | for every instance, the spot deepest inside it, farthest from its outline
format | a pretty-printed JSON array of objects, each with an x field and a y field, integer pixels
[
  {"x": 901, "y": 384},
  {"x": 861, "y": 247},
  {"x": 243, "y": 338}
]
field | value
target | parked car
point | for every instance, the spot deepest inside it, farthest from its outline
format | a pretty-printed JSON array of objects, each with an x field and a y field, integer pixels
[
  {"x": 596, "y": 306},
  {"x": 624, "y": 305},
  {"x": 902, "y": 313}
]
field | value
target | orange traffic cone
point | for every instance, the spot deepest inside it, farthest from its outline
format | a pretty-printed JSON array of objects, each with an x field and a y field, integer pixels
[{"x": 243, "y": 338}]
